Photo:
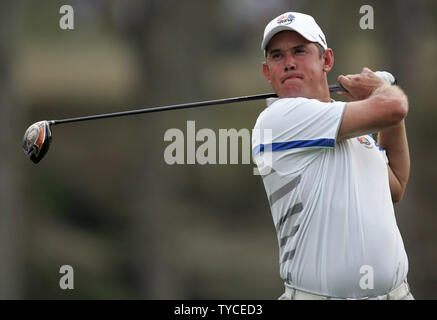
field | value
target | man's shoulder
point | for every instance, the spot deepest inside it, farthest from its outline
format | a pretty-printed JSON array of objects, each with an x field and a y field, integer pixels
[
  {"x": 291, "y": 101},
  {"x": 280, "y": 106},
  {"x": 275, "y": 103}
]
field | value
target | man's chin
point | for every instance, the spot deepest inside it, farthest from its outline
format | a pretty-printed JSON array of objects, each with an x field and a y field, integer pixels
[{"x": 291, "y": 93}]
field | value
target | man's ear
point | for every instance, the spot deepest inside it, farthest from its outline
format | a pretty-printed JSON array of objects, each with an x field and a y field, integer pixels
[
  {"x": 328, "y": 60},
  {"x": 266, "y": 71}
]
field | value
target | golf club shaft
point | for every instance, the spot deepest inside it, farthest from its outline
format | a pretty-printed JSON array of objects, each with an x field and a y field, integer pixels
[{"x": 332, "y": 88}]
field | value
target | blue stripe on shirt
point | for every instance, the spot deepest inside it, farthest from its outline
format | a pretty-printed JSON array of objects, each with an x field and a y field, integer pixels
[{"x": 278, "y": 146}]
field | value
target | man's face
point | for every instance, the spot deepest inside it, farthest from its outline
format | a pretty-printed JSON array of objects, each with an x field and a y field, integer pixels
[{"x": 294, "y": 67}]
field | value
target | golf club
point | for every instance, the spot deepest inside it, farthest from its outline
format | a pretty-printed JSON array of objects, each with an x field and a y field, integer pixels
[{"x": 38, "y": 136}]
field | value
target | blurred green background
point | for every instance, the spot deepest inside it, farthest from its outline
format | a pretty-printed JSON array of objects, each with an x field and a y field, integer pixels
[{"x": 104, "y": 201}]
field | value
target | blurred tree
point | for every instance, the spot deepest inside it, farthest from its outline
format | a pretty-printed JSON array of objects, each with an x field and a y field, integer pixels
[{"x": 10, "y": 197}]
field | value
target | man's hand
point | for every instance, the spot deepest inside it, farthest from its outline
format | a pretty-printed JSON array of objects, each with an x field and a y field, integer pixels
[{"x": 360, "y": 86}]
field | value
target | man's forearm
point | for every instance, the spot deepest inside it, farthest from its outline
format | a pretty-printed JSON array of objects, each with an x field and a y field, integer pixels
[{"x": 394, "y": 141}]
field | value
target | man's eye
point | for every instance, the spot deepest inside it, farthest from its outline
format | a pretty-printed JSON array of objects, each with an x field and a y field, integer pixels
[
  {"x": 300, "y": 51},
  {"x": 276, "y": 56}
]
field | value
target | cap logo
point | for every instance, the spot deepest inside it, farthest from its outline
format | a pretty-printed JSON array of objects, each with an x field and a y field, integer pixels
[{"x": 285, "y": 19}]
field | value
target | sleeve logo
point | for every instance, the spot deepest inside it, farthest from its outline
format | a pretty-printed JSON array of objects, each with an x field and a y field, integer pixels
[{"x": 364, "y": 141}]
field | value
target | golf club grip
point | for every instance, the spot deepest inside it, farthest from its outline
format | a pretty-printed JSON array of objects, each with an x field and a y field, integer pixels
[
  {"x": 336, "y": 88},
  {"x": 332, "y": 88}
]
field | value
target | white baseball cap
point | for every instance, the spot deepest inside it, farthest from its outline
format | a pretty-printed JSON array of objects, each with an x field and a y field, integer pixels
[{"x": 302, "y": 23}]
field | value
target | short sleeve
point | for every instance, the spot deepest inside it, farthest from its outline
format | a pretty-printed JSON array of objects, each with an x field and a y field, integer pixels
[
  {"x": 299, "y": 123},
  {"x": 298, "y": 126}
]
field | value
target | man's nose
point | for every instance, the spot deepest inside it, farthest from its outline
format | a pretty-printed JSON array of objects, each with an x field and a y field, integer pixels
[{"x": 289, "y": 62}]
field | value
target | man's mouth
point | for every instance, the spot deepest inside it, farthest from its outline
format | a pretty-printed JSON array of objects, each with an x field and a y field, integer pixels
[{"x": 291, "y": 77}]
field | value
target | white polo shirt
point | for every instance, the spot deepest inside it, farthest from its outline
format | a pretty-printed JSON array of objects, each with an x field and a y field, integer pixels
[{"x": 330, "y": 202}]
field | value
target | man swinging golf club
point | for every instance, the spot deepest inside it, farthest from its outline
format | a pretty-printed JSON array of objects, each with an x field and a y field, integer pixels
[{"x": 330, "y": 185}]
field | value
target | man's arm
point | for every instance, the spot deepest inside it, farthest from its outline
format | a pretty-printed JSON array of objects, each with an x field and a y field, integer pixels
[
  {"x": 379, "y": 108},
  {"x": 394, "y": 141},
  {"x": 385, "y": 107}
]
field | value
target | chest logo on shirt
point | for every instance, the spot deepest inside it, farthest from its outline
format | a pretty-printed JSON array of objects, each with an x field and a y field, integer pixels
[{"x": 364, "y": 141}]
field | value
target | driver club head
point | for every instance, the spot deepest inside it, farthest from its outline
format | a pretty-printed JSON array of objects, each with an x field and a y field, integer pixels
[{"x": 36, "y": 140}]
